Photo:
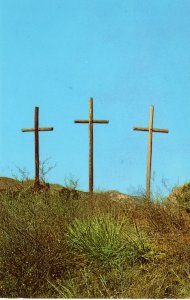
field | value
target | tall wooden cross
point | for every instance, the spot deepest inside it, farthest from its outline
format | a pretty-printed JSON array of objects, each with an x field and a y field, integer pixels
[
  {"x": 150, "y": 130},
  {"x": 91, "y": 121},
  {"x": 36, "y": 130}
]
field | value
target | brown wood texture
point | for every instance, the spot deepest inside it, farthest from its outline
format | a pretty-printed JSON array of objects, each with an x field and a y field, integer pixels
[
  {"x": 91, "y": 121},
  {"x": 149, "y": 158},
  {"x": 91, "y": 144},
  {"x": 36, "y": 130},
  {"x": 94, "y": 121},
  {"x": 39, "y": 129},
  {"x": 150, "y": 130},
  {"x": 153, "y": 129},
  {"x": 36, "y": 138}
]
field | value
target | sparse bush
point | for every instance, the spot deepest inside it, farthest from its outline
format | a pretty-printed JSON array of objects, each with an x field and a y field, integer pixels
[
  {"x": 32, "y": 245},
  {"x": 45, "y": 168},
  {"x": 72, "y": 182},
  {"x": 181, "y": 196}
]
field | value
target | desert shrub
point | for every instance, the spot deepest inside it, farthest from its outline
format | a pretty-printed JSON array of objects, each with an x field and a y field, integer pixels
[
  {"x": 111, "y": 241},
  {"x": 184, "y": 198},
  {"x": 100, "y": 281},
  {"x": 181, "y": 196},
  {"x": 159, "y": 217},
  {"x": 92, "y": 282},
  {"x": 102, "y": 238},
  {"x": 32, "y": 246}
]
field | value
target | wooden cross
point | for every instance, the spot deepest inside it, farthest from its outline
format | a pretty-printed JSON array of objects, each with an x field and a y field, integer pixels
[
  {"x": 91, "y": 121},
  {"x": 150, "y": 130},
  {"x": 36, "y": 130}
]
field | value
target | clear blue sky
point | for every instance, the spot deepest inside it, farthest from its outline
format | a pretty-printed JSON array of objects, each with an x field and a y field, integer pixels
[{"x": 127, "y": 55}]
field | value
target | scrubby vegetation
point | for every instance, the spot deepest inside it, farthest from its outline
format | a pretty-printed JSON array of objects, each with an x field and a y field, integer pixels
[{"x": 53, "y": 244}]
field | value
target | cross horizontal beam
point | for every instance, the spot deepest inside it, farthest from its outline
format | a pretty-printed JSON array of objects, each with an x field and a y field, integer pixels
[
  {"x": 93, "y": 121},
  {"x": 39, "y": 129},
  {"x": 36, "y": 130},
  {"x": 150, "y": 131},
  {"x": 153, "y": 129}
]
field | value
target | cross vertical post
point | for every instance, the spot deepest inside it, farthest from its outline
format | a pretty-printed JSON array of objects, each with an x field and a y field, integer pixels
[
  {"x": 149, "y": 159},
  {"x": 150, "y": 130},
  {"x": 36, "y": 130},
  {"x": 91, "y": 144},
  {"x": 91, "y": 121},
  {"x": 37, "y": 160}
]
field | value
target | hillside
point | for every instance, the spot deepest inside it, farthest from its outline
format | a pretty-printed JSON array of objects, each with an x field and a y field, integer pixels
[
  {"x": 61, "y": 243},
  {"x": 7, "y": 183}
]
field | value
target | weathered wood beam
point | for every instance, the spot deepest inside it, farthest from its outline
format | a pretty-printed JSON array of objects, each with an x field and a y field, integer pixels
[
  {"x": 39, "y": 129},
  {"x": 36, "y": 130},
  {"x": 91, "y": 121},
  {"x": 150, "y": 131},
  {"x": 94, "y": 121},
  {"x": 153, "y": 129}
]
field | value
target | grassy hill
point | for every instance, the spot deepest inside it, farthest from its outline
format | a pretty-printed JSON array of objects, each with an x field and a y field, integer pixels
[
  {"x": 6, "y": 182},
  {"x": 10, "y": 183},
  {"x": 56, "y": 245}
]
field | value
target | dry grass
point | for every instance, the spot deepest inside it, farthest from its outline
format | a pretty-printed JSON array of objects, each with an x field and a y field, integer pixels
[{"x": 54, "y": 245}]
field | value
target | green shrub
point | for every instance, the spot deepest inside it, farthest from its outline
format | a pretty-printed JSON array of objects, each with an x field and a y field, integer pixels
[
  {"x": 111, "y": 241},
  {"x": 100, "y": 237}
]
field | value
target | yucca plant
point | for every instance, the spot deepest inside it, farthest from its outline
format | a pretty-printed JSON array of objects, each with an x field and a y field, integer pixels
[
  {"x": 100, "y": 237},
  {"x": 111, "y": 241}
]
